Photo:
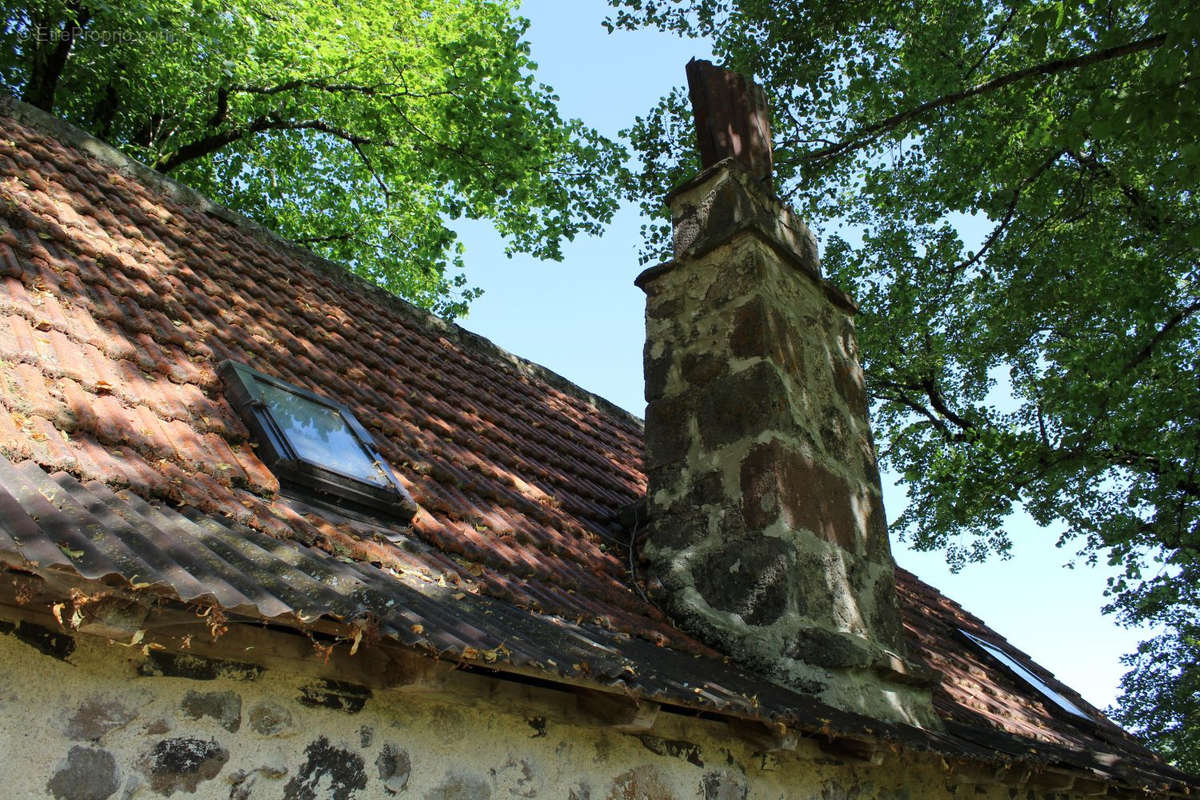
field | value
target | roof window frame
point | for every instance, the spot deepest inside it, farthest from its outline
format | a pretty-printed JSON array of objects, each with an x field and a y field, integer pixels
[
  {"x": 1027, "y": 676},
  {"x": 312, "y": 480}
]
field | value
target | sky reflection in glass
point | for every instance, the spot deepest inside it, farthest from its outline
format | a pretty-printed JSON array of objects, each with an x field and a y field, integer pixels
[{"x": 319, "y": 434}]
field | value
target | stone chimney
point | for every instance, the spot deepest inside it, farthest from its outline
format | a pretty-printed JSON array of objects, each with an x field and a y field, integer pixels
[{"x": 766, "y": 525}]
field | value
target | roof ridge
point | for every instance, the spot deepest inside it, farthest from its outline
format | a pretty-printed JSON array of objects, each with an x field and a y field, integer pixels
[{"x": 105, "y": 153}]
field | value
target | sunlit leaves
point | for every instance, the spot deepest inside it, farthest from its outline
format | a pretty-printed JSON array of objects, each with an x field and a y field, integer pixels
[{"x": 359, "y": 129}]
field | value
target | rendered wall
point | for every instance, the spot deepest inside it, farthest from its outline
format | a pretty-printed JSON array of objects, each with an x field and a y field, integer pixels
[{"x": 99, "y": 720}]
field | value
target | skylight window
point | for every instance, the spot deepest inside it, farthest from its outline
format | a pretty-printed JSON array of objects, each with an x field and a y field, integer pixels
[
  {"x": 1024, "y": 674},
  {"x": 314, "y": 444}
]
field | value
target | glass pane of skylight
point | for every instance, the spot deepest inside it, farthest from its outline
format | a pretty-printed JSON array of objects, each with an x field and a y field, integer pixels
[
  {"x": 319, "y": 434},
  {"x": 1033, "y": 680}
]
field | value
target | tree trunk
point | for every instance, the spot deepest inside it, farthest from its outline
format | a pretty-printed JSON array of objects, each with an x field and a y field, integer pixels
[{"x": 49, "y": 57}]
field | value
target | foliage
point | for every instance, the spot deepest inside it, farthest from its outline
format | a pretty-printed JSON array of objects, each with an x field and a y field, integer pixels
[
  {"x": 1161, "y": 693},
  {"x": 1053, "y": 363},
  {"x": 358, "y": 128}
]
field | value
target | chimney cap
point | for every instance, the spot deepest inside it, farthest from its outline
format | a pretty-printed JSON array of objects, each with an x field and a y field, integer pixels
[{"x": 732, "y": 117}]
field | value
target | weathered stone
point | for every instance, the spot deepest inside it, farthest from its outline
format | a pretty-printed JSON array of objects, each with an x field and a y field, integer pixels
[
  {"x": 641, "y": 783},
  {"x": 158, "y": 727},
  {"x": 675, "y": 748},
  {"x": 224, "y": 707},
  {"x": 337, "y": 695},
  {"x": 811, "y": 596},
  {"x": 394, "y": 768},
  {"x": 737, "y": 281},
  {"x": 366, "y": 734},
  {"x": 701, "y": 369},
  {"x": 837, "y": 432},
  {"x": 848, "y": 378},
  {"x": 270, "y": 719},
  {"x": 741, "y": 406},
  {"x": 327, "y": 772},
  {"x": 460, "y": 787},
  {"x": 750, "y": 577},
  {"x": 657, "y": 372},
  {"x": 515, "y": 778},
  {"x": 160, "y": 663},
  {"x": 877, "y": 547},
  {"x": 667, "y": 437},
  {"x": 85, "y": 774},
  {"x": 885, "y": 615},
  {"x": 826, "y": 648},
  {"x": 133, "y": 786},
  {"x": 766, "y": 472},
  {"x": 182, "y": 764},
  {"x": 778, "y": 481},
  {"x": 667, "y": 476},
  {"x": 708, "y": 488},
  {"x": 760, "y": 330},
  {"x": 682, "y": 529},
  {"x": 448, "y": 723},
  {"x": 840, "y": 790},
  {"x": 665, "y": 308},
  {"x": 723, "y": 785},
  {"x": 97, "y": 716}
]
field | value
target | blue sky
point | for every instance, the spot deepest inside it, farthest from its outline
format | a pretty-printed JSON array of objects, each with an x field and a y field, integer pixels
[{"x": 583, "y": 319}]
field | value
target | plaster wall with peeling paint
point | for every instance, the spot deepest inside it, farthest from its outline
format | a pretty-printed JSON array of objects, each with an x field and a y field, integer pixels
[{"x": 85, "y": 719}]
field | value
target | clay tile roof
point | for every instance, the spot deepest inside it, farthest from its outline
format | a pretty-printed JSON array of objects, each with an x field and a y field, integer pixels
[{"x": 120, "y": 293}]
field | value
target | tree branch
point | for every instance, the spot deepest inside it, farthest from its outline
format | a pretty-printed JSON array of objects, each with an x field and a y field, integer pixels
[
  {"x": 928, "y": 387},
  {"x": 995, "y": 41},
  {"x": 939, "y": 405},
  {"x": 370, "y": 90},
  {"x": 899, "y": 395},
  {"x": 865, "y": 135},
  {"x": 1141, "y": 207},
  {"x": 214, "y": 142},
  {"x": 1125, "y": 457},
  {"x": 222, "y": 112},
  {"x": 333, "y": 237},
  {"x": 1009, "y": 213},
  {"x": 1162, "y": 333},
  {"x": 387, "y": 193}
]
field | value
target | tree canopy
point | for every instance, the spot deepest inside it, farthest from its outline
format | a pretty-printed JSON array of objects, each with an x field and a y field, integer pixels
[
  {"x": 358, "y": 128},
  {"x": 1054, "y": 363}
]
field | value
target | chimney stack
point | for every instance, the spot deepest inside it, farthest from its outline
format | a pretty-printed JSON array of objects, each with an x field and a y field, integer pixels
[{"x": 766, "y": 523}]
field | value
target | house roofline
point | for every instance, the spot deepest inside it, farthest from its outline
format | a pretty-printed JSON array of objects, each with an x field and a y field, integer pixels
[
  {"x": 163, "y": 625},
  {"x": 108, "y": 155}
]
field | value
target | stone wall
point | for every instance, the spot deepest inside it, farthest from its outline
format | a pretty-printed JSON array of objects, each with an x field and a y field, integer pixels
[
  {"x": 766, "y": 521},
  {"x": 84, "y": 719}
]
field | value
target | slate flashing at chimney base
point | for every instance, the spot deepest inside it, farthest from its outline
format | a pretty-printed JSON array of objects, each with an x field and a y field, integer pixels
[{"x": 767, "y": 533}]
